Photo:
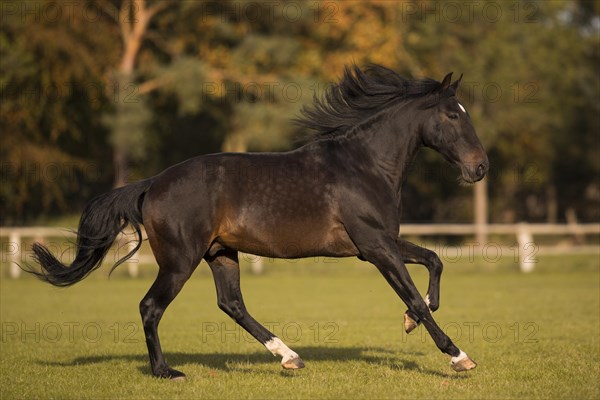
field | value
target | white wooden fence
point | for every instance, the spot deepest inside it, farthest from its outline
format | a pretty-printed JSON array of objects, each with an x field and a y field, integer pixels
[{"x": 525, "y": 249}]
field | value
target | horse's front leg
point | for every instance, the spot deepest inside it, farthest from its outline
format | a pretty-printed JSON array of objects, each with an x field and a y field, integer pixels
[
  {"x": 385, "y": 254},
  {"x": 413, "y": 254}
]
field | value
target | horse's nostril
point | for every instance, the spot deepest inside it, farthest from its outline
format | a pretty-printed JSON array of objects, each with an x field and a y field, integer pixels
[{"x": 481, "y": 170}]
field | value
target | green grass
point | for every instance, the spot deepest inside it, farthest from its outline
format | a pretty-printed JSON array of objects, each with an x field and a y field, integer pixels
[{"x": 534, "y": 336}]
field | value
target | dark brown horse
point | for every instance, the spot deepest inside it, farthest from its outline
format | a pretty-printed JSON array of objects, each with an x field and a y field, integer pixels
[{"x": 338, "y": 195}]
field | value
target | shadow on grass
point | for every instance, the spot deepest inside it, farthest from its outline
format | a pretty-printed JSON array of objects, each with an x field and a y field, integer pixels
[{"x": 227, "y": 361}]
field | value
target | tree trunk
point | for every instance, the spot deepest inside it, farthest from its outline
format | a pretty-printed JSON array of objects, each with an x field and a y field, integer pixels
[
  {"x": 134, "y": 18},
  {"x": 121, "y": 166}
]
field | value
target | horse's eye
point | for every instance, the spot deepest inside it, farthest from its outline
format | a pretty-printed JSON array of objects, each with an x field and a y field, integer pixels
[{"x": 453, "y": 115}]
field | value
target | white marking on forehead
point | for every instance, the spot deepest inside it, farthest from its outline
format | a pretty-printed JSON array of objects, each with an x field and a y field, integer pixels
[{"x": 462, "y": 108}]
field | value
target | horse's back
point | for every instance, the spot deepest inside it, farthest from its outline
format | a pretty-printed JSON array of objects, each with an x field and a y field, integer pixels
[{"x": 277, "y": 204}]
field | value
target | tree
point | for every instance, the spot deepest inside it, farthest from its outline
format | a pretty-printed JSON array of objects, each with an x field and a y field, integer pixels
[
  {"x": 148, "y": 83},
  {"x": 523, "y": 89},
  {"x": 131, "y": 116},
  {"x": 51, "y": 90}
]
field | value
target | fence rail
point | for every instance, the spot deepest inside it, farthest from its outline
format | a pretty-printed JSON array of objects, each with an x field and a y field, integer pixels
[{"x": 12, "y": 250}]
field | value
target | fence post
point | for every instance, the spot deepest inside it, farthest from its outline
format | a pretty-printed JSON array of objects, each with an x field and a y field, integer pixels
[
  {"x": 573, "y": 226},
  {"x": 481, "y": 212},
  {"x": 15, "y": 240},
  {"x": 257, "y": 265},
  {"x": 525, "y": 240}
]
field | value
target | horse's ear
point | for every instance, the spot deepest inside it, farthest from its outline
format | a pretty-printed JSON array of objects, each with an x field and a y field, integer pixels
[
  {"x": 446, "y": 82},
  {"x": 456, "y": 83}
]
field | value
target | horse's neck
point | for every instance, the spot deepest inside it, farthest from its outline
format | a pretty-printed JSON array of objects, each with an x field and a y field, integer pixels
[{"x": 393, "y": 147}]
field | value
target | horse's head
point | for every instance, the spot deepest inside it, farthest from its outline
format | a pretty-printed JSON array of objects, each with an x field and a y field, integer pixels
[{"x": 449, "y": 131}]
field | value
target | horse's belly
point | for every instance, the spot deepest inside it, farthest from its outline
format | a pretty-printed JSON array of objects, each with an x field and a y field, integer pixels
[{"x": 290, "y": 241}]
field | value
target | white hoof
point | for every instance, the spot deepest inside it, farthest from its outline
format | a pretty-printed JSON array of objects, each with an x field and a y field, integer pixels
[
  {"x": 462, "y": 362},
  {"x": 293, "y": 363}
]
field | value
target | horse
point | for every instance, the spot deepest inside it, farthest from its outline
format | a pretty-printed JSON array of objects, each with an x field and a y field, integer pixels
[{"x": 337, "y": 195}]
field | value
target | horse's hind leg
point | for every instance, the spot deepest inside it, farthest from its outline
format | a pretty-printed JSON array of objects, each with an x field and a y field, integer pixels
[
  {"x": 176, "y": 265},
  {"x": 226, "y": 272},
  {"x": 413, "y": 254}
]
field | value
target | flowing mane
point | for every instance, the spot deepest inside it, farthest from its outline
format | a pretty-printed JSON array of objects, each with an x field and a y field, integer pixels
[{"x": 358, "y": 96}]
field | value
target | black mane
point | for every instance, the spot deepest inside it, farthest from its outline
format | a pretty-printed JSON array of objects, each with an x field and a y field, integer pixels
[{"x": 359, "y": 95}]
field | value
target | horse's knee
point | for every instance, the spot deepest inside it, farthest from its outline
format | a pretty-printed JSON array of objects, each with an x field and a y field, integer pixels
[
  {"x": 435, "y": 264},
  {"x": 234, "y": 308},
  {"x": 145, "y": 306},
  {"x": 150, "y": 313}
]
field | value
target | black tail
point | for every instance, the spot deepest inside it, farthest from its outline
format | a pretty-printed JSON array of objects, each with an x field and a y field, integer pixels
[{"x": 103, "y": 218}]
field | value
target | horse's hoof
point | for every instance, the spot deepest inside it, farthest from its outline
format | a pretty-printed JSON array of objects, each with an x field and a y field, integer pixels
[
  {"x": 173, "y": 375},
  {"x": 462, "y": 363},
  {"x": 179, "y": 378},
  {"x": 293, "y": 363},
  {"x": 409, "y": 324}
]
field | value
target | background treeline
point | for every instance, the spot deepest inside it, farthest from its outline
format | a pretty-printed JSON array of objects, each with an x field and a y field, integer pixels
[{"x": 98, "y": 93}]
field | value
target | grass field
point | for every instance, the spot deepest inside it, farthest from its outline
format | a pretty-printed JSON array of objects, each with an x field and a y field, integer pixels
[{"x": 534, "y": 336}]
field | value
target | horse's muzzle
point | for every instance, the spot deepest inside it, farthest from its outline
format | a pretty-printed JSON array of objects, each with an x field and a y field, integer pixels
[{"x": 474, "y": 172}]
